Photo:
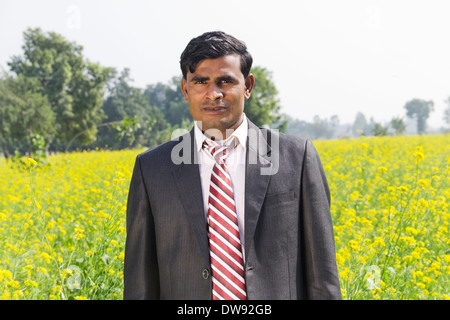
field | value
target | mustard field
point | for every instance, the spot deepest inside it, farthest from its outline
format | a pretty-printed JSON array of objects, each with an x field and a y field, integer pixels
[{"x": 62, "y": 224}]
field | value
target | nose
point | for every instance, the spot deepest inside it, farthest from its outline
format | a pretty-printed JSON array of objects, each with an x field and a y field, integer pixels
[{"x": 214, "y": 92}]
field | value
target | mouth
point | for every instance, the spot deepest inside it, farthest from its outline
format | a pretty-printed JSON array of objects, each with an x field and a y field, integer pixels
[{"x": 215, "y": 109}]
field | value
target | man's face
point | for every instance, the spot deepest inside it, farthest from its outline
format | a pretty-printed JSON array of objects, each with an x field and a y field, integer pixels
[{"x": 216, "y": 93}]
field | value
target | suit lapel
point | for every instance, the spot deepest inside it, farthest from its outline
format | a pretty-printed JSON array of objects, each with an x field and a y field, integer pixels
[
  {"x": 187, "y": 179},
  {"x": 255, "y": 182}
]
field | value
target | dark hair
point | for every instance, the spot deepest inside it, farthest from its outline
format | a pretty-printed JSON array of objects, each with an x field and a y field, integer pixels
[{"x": 212, "y": 45}]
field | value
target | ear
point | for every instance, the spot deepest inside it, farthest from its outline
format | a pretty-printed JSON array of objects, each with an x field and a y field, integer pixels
[
  {"x": 249, "y": 84},
  {"x": 184, "y": 89}
]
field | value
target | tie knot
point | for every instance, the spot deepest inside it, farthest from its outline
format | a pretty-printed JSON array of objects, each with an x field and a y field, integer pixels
[{"x": 219, "y": 152}]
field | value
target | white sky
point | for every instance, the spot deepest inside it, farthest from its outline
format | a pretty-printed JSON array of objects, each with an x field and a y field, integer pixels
[{"x": 327, "y": 57}]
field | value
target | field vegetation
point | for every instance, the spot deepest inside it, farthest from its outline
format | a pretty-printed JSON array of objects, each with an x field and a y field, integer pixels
[{"x": 62, "y": 220}]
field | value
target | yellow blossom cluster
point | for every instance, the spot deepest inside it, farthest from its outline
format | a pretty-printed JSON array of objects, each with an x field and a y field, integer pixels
[
  {"x": 62, "y": 226},
  {"x": 390, "y": 209}
]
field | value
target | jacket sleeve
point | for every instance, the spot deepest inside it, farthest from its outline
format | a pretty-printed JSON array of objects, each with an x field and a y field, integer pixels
[
  {"x": 141, "y": 275},
  {"x": 319, "y": 255}
]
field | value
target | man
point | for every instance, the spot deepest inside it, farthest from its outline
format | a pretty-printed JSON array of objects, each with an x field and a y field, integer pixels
[{"x": 228, "y": 210}]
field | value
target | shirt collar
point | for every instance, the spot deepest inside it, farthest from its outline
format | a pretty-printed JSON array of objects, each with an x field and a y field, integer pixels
[{"x": 240, "y": 134}]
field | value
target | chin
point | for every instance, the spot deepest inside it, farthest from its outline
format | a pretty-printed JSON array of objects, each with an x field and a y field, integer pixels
[{"x": 214, "y": 123}]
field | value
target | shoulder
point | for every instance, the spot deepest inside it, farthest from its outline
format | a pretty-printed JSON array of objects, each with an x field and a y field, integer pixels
[
  {"x": 163, "y": 152},
  {"x": 289, "y": 147},
  {"x": 285, "y": 141}
]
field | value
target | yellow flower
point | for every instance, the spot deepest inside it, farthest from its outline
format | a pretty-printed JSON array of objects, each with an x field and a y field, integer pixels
[
  {"x": 12, "y": 284},
  {"x": 418, "y": 156},
  {"x": 31, "y": 162},
  {"x": 427, "y": 279},
  {"x": 30, "y": 283},
  {"x": 6, "y": 295},
  {"x": 5, "y": 274},
  {"x": 17, "y": 294},
  {"x": 424, "y": 183},
  {"x": 43, "y": 270},
  {"x": 46, "y": 257},
  {"x": 113, "y": 243},
  {"x": 411, "y": 230},
  {"x": 423, "y": 203},
  {"x": 89, "y": 252},
  {"x": 66, "y": 272},
  {"x": 378, "y": 242},
  {"x": 354, "y": 245}
]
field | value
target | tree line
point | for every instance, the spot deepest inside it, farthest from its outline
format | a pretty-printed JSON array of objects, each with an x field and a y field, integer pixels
[
  {"x": 416, "y": 111},
  {"x": 54, "y": 99}
]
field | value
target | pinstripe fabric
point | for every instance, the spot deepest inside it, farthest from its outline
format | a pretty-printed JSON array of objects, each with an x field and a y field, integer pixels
[{"x": 225, "y": 245}]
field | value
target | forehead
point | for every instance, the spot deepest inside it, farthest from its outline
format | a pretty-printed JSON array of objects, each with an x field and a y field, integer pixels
[{"x": 229, "y": 65}]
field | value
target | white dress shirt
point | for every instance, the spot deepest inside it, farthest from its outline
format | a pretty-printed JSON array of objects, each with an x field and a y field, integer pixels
[{"x": 235, "y": 163}]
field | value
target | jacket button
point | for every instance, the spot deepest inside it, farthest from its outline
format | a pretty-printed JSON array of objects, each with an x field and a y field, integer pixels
[{"x": 205, "y": 274}]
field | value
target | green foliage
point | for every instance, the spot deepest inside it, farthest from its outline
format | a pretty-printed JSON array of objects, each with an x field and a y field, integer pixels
[
  {"x": 57, "y": 96},
  {"x": 175, "y": 108},
  {"x": 263, "y": 106},
  {"x": 124, "y": 103},
  {"x": 73, "y": 86},
  {"x": 421, "y": 110},
  {"x": 126, "y": 129},
  {"x": 320, "y": 128},
  {"x": 360, "y": 125},
  {"x": 25, "y": 113},
  {"x": 398, "y": 125},
  {"x": 379, "y": 130}
]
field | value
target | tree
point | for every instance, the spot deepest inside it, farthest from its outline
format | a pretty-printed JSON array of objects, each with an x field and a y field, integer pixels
[
  {"x": 74, "y": 86},
  {"x": 25, "y": 114},
  {"x": 123, "y": 100},
  {"x": 134, "y": 120},
  {"x": 156, "y": 94},
  {"x": 176, "y": 109},
  {"x": 421, "y": 110},
  {"x": 398, "y": 125},
  {"x": 323, "y": 128},
  {"x": 263, "y": 106},
  {"x": 297, "y": 127},
  {"x": 169, "y": 99},
  {"x": 360, "y": 125},
  {"x": 379, "y": 130},
  {"x": 8, "y": 113}
]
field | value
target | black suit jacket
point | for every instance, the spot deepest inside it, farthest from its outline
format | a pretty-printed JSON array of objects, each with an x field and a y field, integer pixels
[{"x": 289, "y": 240}]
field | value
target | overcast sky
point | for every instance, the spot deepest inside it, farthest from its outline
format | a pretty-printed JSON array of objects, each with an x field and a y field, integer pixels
[{"x": 327, "y": 57}]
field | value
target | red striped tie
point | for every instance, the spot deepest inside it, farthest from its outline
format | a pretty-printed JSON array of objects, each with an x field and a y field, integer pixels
[{"x": 224, "y": 241}]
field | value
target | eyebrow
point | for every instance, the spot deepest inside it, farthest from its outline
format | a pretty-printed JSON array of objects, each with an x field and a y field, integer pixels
[
  {"x": 204, "y": 78},
  {"x": 226, "y": 78},
  {"x": 199, "y": 79}
]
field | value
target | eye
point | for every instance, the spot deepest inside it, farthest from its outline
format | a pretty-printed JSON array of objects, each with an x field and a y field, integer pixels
[{"x": 225, "y": 81}]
